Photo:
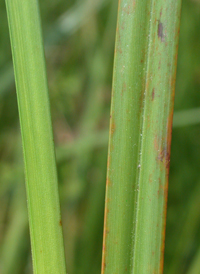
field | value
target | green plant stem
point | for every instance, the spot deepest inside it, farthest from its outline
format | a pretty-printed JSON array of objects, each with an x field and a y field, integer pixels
[
  {"x": 140, "y": 136},
  {"x": 37, "y": 137}
]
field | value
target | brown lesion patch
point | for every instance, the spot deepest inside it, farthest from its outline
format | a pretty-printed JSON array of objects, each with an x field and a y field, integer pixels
[
  {"x": 164, "y": 157},
  {"x": 103, "y": 267},
  {"x": 60, "y": 222},
  {"x": 163, "y": 152},
  {"x": 161, "y": 34},
  {"x": 163, "y": 186}
]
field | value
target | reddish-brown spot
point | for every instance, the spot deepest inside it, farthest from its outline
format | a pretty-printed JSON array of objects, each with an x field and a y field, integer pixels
[
  {"x": 108, "y": 181},
  {"x": 147, "y": 83},
  {"x": 105, "y": 232},
  {"x": 160, "y": 12},
  {"x": 119, "y": 50},
  {"x": 60, "y": 223},
  {"x": 103, "y": 266},
  {"x": 112, "y": 127},
  {"x": 108, "y": 162},
  {"x": 163, "y": 153},
  {"x": 153, "y": 94},
  {"x": 129, "y": 9},
  {"x": 123, "y": 88},
  {"x": 156, "y": 145},
  {"x": 162, "y": 188}
]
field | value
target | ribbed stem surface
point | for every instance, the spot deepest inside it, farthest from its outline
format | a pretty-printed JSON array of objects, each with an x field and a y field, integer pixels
[{"x": 140, "y": 136}]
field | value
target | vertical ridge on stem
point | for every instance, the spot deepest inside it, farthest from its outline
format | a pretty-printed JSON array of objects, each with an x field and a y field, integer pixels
[{"x": 140, "y": 136}]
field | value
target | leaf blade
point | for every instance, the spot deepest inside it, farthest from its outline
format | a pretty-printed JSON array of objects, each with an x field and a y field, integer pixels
[{"x": 37, "y": 137}]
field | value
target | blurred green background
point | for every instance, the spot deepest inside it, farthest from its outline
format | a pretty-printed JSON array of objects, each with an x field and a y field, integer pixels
[{"x": 79, "y": 43}]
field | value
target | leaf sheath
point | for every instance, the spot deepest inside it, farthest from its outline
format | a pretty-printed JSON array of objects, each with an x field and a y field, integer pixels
[{"x": 140, "y": 136}]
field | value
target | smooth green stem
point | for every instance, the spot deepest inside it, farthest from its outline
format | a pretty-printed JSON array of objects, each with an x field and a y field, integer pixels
[
  {"x": 140, "y": 136},
  {"x": 37, "y": 137}
]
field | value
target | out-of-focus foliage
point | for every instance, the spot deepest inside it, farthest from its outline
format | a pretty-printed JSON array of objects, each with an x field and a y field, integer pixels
[{"x": 79, "y": 40}]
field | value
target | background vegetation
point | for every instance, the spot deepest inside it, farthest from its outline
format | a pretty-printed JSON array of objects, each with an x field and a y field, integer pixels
[{"x": 79, "y": 40}]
